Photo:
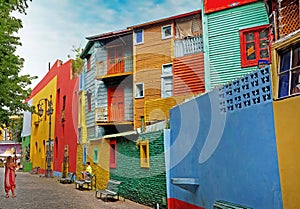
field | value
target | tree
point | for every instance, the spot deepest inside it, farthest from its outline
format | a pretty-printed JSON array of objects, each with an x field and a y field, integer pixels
[
  {"x": 77, "y": 62},
  {"x": 14, "y": 87}
]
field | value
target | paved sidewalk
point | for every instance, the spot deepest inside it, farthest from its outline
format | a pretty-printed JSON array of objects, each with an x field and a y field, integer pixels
[{"x": 35, "y": 192}]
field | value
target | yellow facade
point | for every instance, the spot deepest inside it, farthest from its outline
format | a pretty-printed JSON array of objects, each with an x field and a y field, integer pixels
[
  {"x": 100, "y": 165},
  {"x": 40, "y": 126},
  {"x": 81, "y": 117},
  {"x": 287, "y": 118}
]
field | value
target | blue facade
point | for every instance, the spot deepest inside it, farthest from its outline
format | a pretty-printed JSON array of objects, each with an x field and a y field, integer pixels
[{"x": 223, "y": 147}]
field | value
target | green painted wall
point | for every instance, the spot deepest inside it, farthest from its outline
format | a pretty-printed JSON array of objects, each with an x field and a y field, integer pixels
[
  {"x": 27, "y": 166},
  {"x": 221, "y": 40},
  {"x": 143, "y": 185}
]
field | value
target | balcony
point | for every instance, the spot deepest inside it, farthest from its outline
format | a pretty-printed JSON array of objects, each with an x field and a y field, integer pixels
[
  {"x": 116, "y": 116},
  {"x": 106, "y": 69},
  {"x": 101, "y": 114},
  {"x": 188, "y": 46}
]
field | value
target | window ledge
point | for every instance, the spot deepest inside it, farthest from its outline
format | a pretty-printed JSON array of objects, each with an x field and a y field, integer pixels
[{"x": 190, "y": 184}]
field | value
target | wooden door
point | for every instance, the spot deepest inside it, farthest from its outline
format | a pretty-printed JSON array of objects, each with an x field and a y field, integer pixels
[
  {"x": 116, "y": 104},
  {"x": 115, "y": 61}
]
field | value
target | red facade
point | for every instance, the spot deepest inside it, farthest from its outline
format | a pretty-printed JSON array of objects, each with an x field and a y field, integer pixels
[
  {"x": 188, "y": 75},
  {"x": 214, "y": 6},
  {"x": 65, "y": 141}
]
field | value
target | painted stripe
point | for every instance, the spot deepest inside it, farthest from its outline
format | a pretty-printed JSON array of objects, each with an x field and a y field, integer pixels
[{"x": 174, "y": 203}]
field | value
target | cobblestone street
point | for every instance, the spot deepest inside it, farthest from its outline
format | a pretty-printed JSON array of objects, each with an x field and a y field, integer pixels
[{"x": 36, "y": 192}]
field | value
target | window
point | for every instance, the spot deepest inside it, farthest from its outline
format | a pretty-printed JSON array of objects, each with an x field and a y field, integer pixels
[
  {"x": 144, "y": 154},
  {"x": 139, "y": 90},
  {"x": 139, "y": 36},
  {"x": 166, "y": 81},
  {"x": 88, "y": 63},
  {"x": 289, "y": 71},
  {"x": 95, "y": 155},
  {"x": 166, "y": 32},
  {"x": 89, "y": 100},
  {"x": 113, "y": 153},
  {"x": 254, "y": 45},
  {"x": 84, "y": 155}
]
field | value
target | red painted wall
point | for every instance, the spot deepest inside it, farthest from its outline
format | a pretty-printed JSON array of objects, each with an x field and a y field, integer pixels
[
  {"x": 213, "y": 5},
  {"x": 178, "y": 204},
  {"x": 66, "y": 118},
  {"x": 47, "y": 78},
  {"x": 64, "y": 131},
  {"x": 188, "y": 75}
]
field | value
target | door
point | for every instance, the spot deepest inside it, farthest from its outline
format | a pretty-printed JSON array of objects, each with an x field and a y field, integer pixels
[
  {"x": 115, "y": 61},
  {"x": 116, "y": 104}
]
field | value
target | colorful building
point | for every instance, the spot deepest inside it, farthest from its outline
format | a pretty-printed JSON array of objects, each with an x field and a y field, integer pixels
[
  {"x": 235, "y": 37},
  {"x": 168, "y": 62},
  {"x": 244, "y": 149},
  {"x": 222, "y": 151},
  {"x": 26, "y": 135},
  {"x": 285, "y": 78},
  {"x": 54, "y": 95}
]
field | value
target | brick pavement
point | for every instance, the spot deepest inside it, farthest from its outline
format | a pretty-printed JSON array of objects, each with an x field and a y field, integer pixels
[{"x": 35, "y": 192}]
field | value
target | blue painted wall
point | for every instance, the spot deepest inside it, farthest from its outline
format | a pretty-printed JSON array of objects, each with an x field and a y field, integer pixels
[{"x": 226, "y": 139}]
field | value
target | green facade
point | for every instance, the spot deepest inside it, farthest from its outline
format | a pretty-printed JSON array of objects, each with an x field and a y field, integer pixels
[
  {"x": 143, "y": 185},
  {"x": 25, "y": 161},
  {"x": 221, "y": 40}
]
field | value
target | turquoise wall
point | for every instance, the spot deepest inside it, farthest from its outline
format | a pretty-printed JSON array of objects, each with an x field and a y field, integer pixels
[{"x": 221, "y": 40}]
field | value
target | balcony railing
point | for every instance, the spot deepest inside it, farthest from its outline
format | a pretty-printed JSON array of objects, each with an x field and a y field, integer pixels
[
  {"x": 105, "y": 115},
  {"x": 123, "y": 67},
  {"x": 188, "y": 46},
  {"x": 101, "y": 114}
]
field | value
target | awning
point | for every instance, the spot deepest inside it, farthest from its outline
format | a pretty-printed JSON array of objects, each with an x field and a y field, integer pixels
[
  {"x": 8, "y": 153},
  {"x": 119, "y": 134}
]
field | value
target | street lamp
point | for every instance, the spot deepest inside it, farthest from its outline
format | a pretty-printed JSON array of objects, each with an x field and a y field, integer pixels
[{"x": 49, "y": 112}]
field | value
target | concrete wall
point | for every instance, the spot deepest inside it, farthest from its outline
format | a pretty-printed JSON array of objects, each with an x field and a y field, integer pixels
[{"x": 223, "y": 147}]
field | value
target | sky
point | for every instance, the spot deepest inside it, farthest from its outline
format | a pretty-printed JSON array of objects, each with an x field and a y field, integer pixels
[{"x": 52, "y": 27}]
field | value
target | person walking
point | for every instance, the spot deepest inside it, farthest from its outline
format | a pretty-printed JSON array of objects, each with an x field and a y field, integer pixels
[{"x": 10, "y": 176}]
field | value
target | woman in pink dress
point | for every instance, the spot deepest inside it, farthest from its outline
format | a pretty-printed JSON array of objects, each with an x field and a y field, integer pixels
[{"x": 10, "y": 176}]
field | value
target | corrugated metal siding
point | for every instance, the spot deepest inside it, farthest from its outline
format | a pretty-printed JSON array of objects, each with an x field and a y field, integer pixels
[
  {"x": 224, "y": 42},
  {"x": 101, "y": 63},
  {"x": 128, "y": 100},
  {"x": 90, "y": 86},
  {"x": 128, "y": 59},
  {"x": 188, "y": 75},
  {"x": 158, "y": 109}
]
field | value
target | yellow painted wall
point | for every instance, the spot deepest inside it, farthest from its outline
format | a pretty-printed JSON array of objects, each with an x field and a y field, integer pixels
[
  {"x": 40, "y": 126},
  {"x": 100, "y": 168},
  {"x": 287, "y": 123},
  {"x": 82, "y": 116}
]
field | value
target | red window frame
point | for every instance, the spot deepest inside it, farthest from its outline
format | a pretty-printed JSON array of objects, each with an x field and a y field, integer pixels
[
  {"x": 113, "y": 153},
  {"x": 243, "y": 42}
]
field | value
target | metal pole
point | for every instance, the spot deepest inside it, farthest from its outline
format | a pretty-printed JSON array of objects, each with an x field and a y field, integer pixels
[{"x": 48, "y": 173}]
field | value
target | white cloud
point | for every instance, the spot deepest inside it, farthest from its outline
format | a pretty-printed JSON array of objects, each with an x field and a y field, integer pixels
[{"x": 51, "y": 28}]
